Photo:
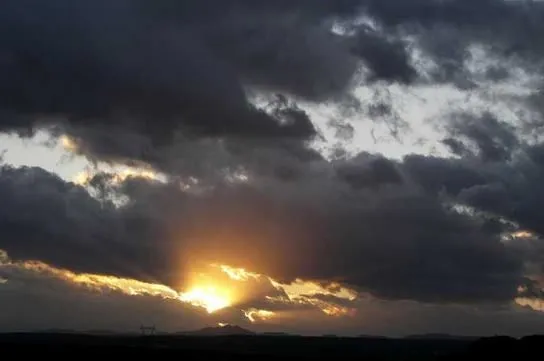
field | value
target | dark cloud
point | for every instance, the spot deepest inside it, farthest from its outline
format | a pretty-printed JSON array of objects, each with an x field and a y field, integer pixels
[
  {"x": 506, "y": 189},
  {"x": 482, "y": 18},
  {"x": 386, "y": 59},
  {"x": 74, "y": 230},
  {"x": 484, "y": 136},
  {"x": 207, "y": 93},
  {"x": 509, "y": 188},
  {"x": 125, "y": 78},
  {"x": 438, "y": 174},
  {"x": 446, "y": 32},
  {"x": 164, "y": 68},
  {"x": 392, "y": 240},
  {"x": 368, "y": 170},
  {"x": 75, "y": 307}
]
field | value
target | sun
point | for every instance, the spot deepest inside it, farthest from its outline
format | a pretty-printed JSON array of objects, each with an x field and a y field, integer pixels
[{"x": 208, "y": 297}]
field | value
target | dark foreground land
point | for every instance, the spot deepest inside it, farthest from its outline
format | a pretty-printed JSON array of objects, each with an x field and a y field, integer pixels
[{"x": 269, "y": 347}]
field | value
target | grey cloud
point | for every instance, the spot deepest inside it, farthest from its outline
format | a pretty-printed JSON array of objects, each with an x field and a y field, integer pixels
[
  {"x": 368, "y": 170},
  {"x": 444, "y": 31},
  {"x": 168, "y": 88},
  {"x": 117, "y": 66},
  {"x": 487, "y": 137},
  {"x": 45, "y": 218},
  {"x": 394, "y": 241},
  {"x": 510, "y": 188},
  {"x": 507, "y": 189},
  {"x": 146, "y": 72},
  {"x": 386, "y": 59},
  {"x": 438, "y": 174},
  {"x": 482, "y": 17}
]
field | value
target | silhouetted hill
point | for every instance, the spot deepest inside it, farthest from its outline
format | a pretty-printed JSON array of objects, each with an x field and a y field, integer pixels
[
  {"x": 278, "y": 334},
  {"x": 104, "y": 332},
  {"x": 440, "y": 336},
  {"x": 230, "y": 347},
  {"x": 507, "y": 347},
  {"x": 227, "y": 330},
  {"x": 56, "y": 330},
  {"x": 373, "y": 337}
]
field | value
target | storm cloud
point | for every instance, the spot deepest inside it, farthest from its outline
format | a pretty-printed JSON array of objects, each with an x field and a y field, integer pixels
[
  {"x": 218, "y": 98},
  {"x": 312, "y": 229},
  {"x": 148, "y": 71},
  {"x": 144, "y": 68}
]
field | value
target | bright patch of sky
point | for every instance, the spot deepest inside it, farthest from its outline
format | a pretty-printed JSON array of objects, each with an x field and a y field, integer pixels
[
  {"x": 390, "y": 119},
  {"x": 41, "y": 152}
]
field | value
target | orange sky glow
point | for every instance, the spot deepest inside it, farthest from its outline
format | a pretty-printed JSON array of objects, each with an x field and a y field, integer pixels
[{"x": 212, "y": 288}]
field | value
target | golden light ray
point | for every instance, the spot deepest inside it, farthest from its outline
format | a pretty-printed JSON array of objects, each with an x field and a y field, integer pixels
[
  {"x": 328, "y": 308},
  {"x": 254, "y": 315},
  {"x": 238, "y": 274},
  {"x": 209, "y": 298},
  {"x": 300, "y": 288},
  {"x": 299, "y": 292},
  {"x": 219, "y": 287},
  {"x": 102, "y": 283}
]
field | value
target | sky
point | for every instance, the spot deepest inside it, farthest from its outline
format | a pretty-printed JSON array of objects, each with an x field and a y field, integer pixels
[{"x": 306, "y": 166}]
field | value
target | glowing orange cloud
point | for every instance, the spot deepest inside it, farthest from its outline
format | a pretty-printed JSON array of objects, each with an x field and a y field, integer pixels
[
  {"x": 522, "y": 234},
  {"x": 102, "y": 283},
  {"x": 119, "y": 176},
  {"x": 307, "y": 293},
  {"x": 300, "y": 288},
  {"x": 254, "y": 315},
  {"x": 299, "y": 292},
  {"x": 238, "y": 274},
  {"x": 68, "y": 143},
  {"x": 216, "y": 288},
  {"x": 533, "y": 303},
  {"x": 207, "y": 297}
]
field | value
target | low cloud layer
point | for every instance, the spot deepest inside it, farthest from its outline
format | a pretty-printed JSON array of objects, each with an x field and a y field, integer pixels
[{"x": 313, "y": 229}]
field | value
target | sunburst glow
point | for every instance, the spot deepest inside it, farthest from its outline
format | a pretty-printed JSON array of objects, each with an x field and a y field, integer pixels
[
  {"x": 214, "y": 288},
  {"x": 208, "y": 297}
]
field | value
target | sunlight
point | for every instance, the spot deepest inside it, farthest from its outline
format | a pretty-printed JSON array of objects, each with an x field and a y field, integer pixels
[
  {"x": 100, "y": 283},
  {"x": 118, "y": 176},
  {"x": 208, "y": 297},
  {"x": 212, "y": 289},
  {"x": 68, "y": 143}
]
